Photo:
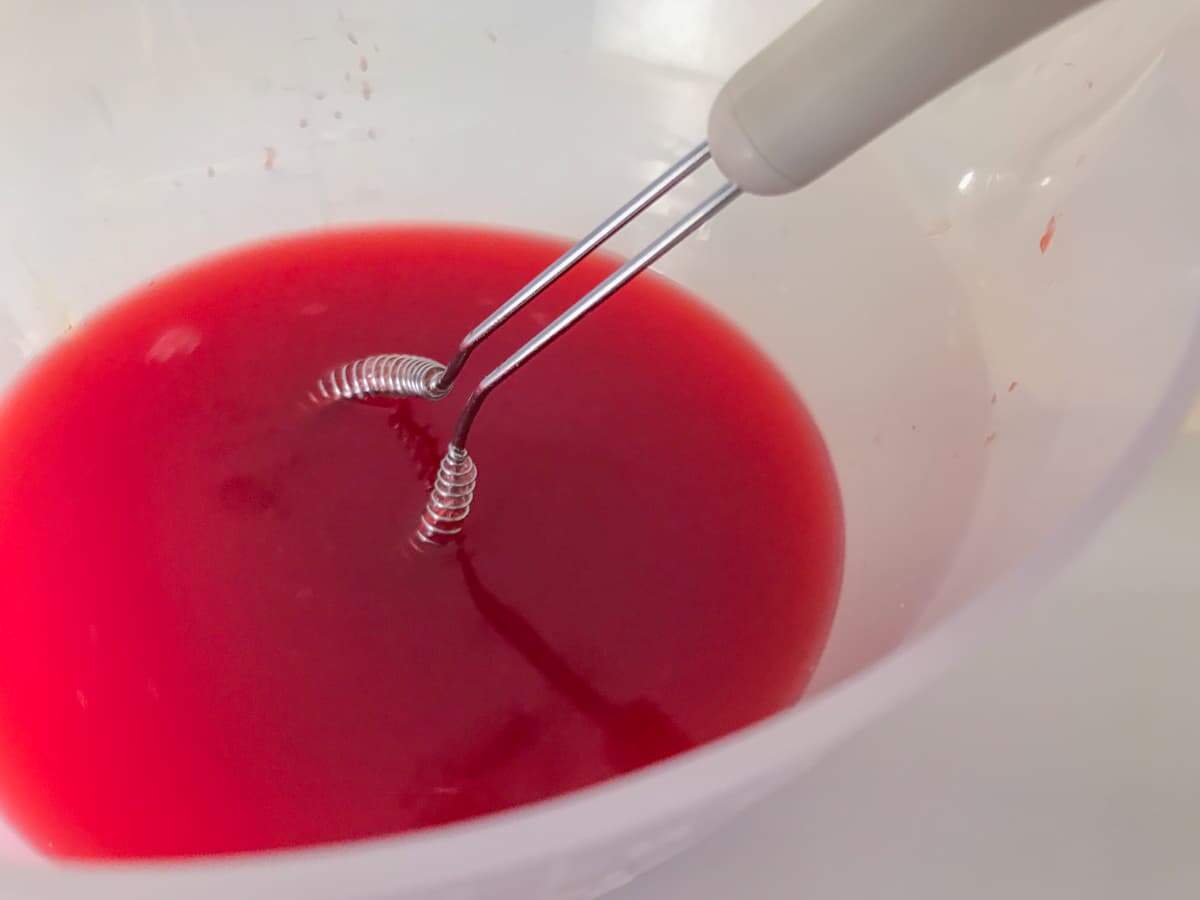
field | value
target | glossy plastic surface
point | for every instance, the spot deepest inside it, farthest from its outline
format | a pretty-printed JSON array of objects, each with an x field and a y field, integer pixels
[{"x": 835, "y": 80}]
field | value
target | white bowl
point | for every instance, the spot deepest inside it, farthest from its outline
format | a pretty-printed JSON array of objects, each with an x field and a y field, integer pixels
[{"x": 899, "y": 293}]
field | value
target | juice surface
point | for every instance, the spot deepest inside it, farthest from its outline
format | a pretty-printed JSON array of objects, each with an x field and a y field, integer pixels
[{"x": 215, "y": 636}]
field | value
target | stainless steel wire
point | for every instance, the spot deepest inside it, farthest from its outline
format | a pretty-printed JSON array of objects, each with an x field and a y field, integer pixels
[
  {"x": 440, "y": 386},
  {"x": 450, "y": 500},
  {"x": 383, "y": 375},
  {"x": 697, "y": 157},
  {"x": 402, "y": 375},
  {"x": 597, "y": 295}
]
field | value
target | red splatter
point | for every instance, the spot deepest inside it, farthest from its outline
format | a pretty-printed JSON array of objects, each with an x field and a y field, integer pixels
[
  {"x": 362, "y": 64},
  {"x": 366, "y": 90},
  {"x": 1048, "y": 234},
  {"x": 1013, "y": 386},
  {"x": 269, "y": 158},
  {"x": 990, "y": 437},
  {"x": 303, "y": 123}
]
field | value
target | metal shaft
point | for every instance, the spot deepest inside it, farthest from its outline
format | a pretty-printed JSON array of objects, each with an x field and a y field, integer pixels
[
  {"x": 668, "y": 239},
  {"x": 601, "y": 233}
]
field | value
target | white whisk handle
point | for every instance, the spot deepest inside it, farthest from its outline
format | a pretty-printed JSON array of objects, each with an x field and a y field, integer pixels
[{"x": 851, "y": 69}]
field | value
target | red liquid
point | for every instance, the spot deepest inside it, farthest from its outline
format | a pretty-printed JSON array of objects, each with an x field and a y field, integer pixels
[{"x": 214, "y": 636}]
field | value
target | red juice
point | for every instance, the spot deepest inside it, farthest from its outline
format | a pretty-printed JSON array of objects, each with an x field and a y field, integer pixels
[{"x": 214, "y": 635}]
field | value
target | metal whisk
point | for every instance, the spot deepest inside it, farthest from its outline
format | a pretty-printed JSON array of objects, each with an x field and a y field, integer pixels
[
  {"x": 402, "y": 375},
  {"x": 836, "y": 79}
]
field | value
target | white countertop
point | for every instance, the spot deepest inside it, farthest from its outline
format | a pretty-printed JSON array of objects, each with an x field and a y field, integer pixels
[{"x": 1061, "y": 761}]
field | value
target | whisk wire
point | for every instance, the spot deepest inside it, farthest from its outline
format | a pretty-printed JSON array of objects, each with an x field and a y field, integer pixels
[
  {"x": 401, "y": 375},
  {"x": 694, "y": 159},
  {"x": 700, "y": 214}
]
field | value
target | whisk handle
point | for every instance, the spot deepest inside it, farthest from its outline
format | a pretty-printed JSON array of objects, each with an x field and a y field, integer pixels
[{"x": 849, "y": 70}]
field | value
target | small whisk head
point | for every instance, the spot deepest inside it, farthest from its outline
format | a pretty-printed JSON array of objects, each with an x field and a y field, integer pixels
[
  {"x": 387, "y": 375},
  {"x": 395, "y": 376},
  {"x": 450, "y": 500}
]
